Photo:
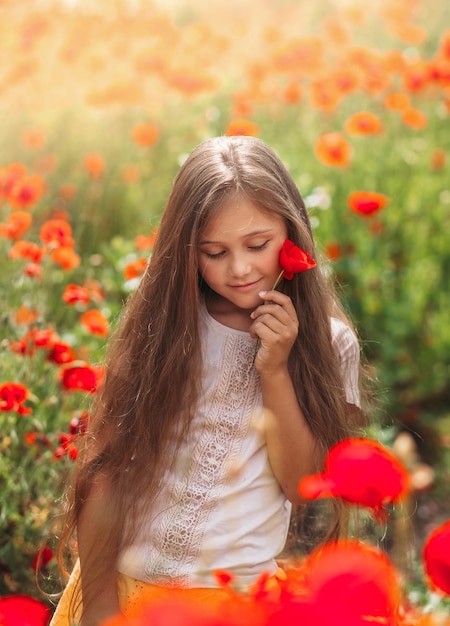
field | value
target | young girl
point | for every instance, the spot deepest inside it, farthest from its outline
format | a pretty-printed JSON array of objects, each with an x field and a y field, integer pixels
[{"x": 220, "y": 394}]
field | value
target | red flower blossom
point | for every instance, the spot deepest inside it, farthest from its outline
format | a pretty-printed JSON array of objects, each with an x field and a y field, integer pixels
[
  {"x": 436, "y": 557},
  {"x": 42, "y": 558},
  {"x": 294, "y": 260},
  {"x": 134, "y": 269},
  {"x": 320, "y": 588},
  {"x": 33, "y": 270},
  {"x": 26, "y": 250},
  {"x": 363, "y": 123},
  {"x": 145, "y": 134},
  {"x": 80, "y": 378},
  {"x": 414, "y": 118},
  {"x": 26, "y": 192},
  {"x": 95, "y": 322},
  {"x": 17, "y": 223},
  {"x": 360, "y": 471},
  {"x": 242, "y": 127},
  {"x": 12, "y": 397},
  {"x": 61, "y": 353},
  {"x": 66, "y": 257},
  {"x": 9, "y": 176},
  {"x": 333, "y": 149},
  {"x": 23, "y": 610},
  {"x": 143, "y": 242},
  {"x": 56, "y": 232},
  {"x": 366, "y": 203},
  {"x": 74, "y": 294},
  {"x": 94, "y": 165}
]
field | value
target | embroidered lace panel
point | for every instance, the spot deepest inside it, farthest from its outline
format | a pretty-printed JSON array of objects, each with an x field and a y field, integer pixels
[{"x": 179, "y": 530}]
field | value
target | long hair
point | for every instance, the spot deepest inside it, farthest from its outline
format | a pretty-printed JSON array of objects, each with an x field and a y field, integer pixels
[{"x": 154, "y": 359}]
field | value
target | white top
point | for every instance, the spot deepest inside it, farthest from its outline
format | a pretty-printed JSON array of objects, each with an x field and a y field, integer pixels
[{"x": 221, "y": 506}]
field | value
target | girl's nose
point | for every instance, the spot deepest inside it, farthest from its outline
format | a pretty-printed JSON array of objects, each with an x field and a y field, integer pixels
[{"x": 239, "y": 266}]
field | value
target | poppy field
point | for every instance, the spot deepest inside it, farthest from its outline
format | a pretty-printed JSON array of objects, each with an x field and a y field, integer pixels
[{"x": 101, "y": 100}]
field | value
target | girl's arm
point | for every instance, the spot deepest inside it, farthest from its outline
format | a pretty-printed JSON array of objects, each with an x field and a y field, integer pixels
[
  {"x": 97, "y": 559},
  {"x": 293, "y": 450}
]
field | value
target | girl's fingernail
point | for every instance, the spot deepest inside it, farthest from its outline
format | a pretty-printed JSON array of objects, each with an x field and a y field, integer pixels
[{"x": 262, "y": 293}]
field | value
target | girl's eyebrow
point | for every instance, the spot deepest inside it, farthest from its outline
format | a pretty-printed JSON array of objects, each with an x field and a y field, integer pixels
[{"x": 254, "y": 233}]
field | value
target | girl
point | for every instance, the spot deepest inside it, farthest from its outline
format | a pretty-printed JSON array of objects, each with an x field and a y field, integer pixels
[{"x": 220, "y": 394}]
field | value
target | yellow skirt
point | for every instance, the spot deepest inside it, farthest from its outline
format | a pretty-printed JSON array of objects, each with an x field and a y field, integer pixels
[{"x": 133, "y": 593}]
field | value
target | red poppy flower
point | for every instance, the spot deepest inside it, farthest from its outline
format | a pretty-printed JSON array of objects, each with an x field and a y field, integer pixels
[
  {"x": 75, "y": 293},
  {"x": 366, "y": 203},
  {"x": 10, "y": 175},
  {"x": 436, "y": 557},
  {"x": 23, "y": 610},
  {"x": 143, "y": 242},
  {"x": 17, "y": 223},
  {"x": 145, "y": 134},
  {"x": 363, "y": 123},
  {"x": 95, "y": 165},
  {"x": 66, "y": 257},
  {"x": 134, "y": 269},
  {"x": 26, "y": 192},
  {"x": 42, "y": 558},
  {"x": 80, "y": 378},
  {"x": 12, "y": 397},
  {"x": 242, "y": 127},
  {"x": 26, "y": 250},
  {"x": 320, "y": 588},
  {"x": 333, "y": 149},
  {"x": 397, "y": 101},
  {"x": 95, "y": 322},
  {"x": 294, "y": 260},
  {"x": 61, "y": 353},
  {"x": 56, "y": 232},
  {"x": 360, "y": 471},
  {"x": 414, "y": 118}
]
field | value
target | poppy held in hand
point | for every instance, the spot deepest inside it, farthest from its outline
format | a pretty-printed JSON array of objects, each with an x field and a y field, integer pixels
[
  {"x": 360, "y": 471},
  {"x": 293, "y": 260}
]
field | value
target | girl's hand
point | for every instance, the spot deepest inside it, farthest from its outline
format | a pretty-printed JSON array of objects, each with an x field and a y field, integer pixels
[{"x": 276, "y": 326}]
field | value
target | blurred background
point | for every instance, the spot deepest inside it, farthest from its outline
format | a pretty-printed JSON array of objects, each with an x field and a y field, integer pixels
[{"x": 101, "y": 100}]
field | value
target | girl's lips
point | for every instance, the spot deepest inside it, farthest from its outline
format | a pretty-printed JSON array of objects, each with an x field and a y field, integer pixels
[{"x": 245, "y": 287}]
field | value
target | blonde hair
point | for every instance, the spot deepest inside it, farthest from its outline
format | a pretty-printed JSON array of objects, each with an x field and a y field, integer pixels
[{"x": 154, "y": 358}]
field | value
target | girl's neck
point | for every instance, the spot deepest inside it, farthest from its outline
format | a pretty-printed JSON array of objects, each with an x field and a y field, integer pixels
[{"x": 225, "y": 313}]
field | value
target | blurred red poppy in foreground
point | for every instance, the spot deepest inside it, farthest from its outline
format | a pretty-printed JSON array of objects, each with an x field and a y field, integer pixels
[
  {"x": 23, "y": 611},
  {"x": 367, "y": 203},
  {"x": 81, "y": 378},
  {"x": 436, "y": 557},
  {"x": 345, "y": 584},
  {"x": 360, "y": 471}
]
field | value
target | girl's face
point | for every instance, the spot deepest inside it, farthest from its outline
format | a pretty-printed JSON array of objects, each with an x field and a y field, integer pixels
[{"x": 238, "y": 252}]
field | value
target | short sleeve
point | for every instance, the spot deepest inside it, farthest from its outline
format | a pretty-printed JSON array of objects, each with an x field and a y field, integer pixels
[{"x": 347, "y": 347}]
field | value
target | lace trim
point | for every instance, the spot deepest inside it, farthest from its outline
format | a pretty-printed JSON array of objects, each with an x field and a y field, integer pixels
[{"x": 179, "y": 532}]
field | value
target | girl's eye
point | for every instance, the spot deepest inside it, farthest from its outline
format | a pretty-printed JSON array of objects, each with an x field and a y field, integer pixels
[
  {"x": 216, "y": 255},
  {"x": 260, "y": 247}
]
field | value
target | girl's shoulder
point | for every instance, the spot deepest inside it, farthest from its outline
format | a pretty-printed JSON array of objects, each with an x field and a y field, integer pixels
[{"x": 343, "y": 336}]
